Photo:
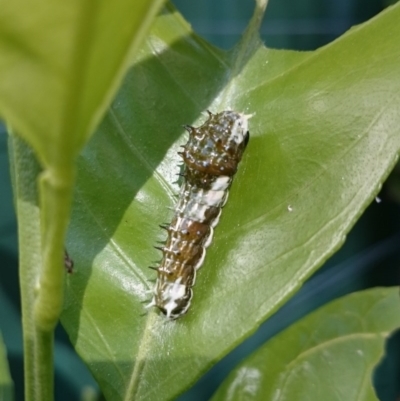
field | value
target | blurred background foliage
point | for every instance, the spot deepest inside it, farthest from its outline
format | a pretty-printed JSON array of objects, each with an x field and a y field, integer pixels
[{"x": 369, "y": 258}]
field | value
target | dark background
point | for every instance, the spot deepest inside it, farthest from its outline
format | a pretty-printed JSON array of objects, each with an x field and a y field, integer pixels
[{"x": 369, "y": 258}]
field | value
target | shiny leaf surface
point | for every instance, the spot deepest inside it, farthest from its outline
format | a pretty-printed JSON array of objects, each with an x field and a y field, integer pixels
[{"x": 324, "y": 135}]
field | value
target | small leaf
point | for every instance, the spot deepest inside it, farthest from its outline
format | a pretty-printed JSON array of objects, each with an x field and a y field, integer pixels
[
  {"x": 6, "y": 384},
  {"x": 328, "y": 355}
]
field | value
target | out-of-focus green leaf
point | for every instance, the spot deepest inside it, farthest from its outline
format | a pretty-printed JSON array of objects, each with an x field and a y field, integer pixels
[
  {"x": 324, "y": 135},
  {"x": 61, "y": 63},
  {"x": 6, "y": 384},
  {"x": 328, "y": 355}
]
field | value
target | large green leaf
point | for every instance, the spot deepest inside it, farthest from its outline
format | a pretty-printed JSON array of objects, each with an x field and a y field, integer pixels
[
  {"x": 324, "y": 135},
  {"x": 6, "y": 384},
  {"x": 328, "y": 355}
]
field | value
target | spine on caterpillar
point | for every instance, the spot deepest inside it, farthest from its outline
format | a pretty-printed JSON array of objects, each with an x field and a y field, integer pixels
[{"x": 211, "y": 157}]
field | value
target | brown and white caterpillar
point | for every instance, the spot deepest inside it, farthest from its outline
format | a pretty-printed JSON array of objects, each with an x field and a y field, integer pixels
[{"x": 211, "y": 157}]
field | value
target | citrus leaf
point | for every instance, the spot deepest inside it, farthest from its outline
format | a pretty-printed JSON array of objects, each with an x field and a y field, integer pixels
[
  {"x": 324, "y": 135},
  {"x": 329, "y": 354}
]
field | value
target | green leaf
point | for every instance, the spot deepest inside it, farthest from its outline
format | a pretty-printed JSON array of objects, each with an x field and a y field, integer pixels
[
  {"x": 329, "y": 354},
  {"x": 324, "y": 135},
  {"x": 61, "y": 64},
  {"x": 6, "y": 384}
]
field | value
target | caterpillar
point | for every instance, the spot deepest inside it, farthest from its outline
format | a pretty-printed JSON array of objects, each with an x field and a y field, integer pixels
[{"x": 210, "y": 157}]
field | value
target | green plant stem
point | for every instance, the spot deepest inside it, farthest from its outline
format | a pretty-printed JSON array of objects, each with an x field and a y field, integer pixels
[
  {"x": 44, "y": 372},
  {"x": 41, "y": 232},
  {"x": 55, "y": 200},
  {"x": 25, "y": 170}
]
